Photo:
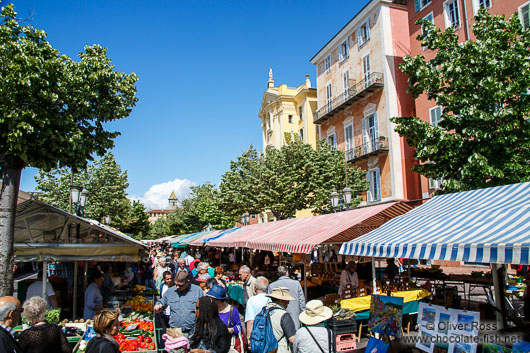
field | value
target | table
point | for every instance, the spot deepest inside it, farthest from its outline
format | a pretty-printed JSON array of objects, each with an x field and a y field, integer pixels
[
  {"x": 236, "y": 293},
  {"x": 361, "y": 305}
]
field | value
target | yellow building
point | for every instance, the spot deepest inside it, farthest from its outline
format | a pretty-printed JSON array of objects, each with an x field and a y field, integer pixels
[
  {"x": 288, "y": 110},
  {"x": 155, "y": 215}
]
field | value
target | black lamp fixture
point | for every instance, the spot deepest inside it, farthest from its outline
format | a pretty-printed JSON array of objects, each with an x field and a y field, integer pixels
[
  {"x": 79, "y": 197},
  {"x": 342, "y": 201}
]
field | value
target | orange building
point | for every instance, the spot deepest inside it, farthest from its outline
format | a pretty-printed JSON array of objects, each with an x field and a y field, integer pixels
[
  {"x": 359, "y": 88},
  {"x": 459, "y": 14}
]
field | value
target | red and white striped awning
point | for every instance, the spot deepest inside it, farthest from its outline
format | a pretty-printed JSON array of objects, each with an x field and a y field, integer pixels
[{"x": 300, "y": 235}]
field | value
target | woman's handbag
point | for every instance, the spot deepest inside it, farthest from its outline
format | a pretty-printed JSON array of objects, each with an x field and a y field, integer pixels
[{"x": 238, "y": 344}]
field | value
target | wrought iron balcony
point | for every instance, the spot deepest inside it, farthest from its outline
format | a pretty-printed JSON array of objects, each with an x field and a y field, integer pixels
[
  {"x": 367, "y": 149},
  {"x": 358, "y": 91}
]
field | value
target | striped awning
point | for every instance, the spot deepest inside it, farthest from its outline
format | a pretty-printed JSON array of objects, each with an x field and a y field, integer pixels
[
  {"x": 487, "y": 225},
  {"x": 300, "y": 235}
]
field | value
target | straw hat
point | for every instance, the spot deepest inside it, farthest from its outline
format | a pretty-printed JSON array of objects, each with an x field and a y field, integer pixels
[
  {"x": 281, "y": 293},
  {"x": 315, "y": 312}
]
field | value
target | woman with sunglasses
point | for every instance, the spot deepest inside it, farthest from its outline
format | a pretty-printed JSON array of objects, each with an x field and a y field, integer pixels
[{"x": 211, "y": 334}]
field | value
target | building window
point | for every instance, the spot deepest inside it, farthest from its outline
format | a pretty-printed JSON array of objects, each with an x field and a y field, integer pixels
[
  {"x": 435, "y": 115},
  {"x": 420, "y": 4},
  {"x": 290, "y": 119},
  {"x": 429, "y": 18},
  {"x": 332, "y": 139},
  {"x": 329, "y": 97},
  {"x": 370, "y": 128},
  {"x": 366, "y": 71},
  {"x": 363, "y": 33},
  {"x": 327, "y": 64},
  {"x": 524, "y": 15},
  {"x": 451, "y": 14},
  {"x": 346, "y": 81},
  {"x": 300, "y": 112},
  {"x": 477, "y": 4},
  {"x": 301, "y": 134},
  {"x": 318, "y": 132},
  {"x": 373, "y": 177},
  {"x": 348, "y": 141},
  {"x": 344, "y": 52}
]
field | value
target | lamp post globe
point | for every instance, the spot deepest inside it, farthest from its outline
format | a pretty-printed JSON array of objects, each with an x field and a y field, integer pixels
[
  {"x": 347, "y": 194},
  {"x": 334, "y": 198},
  {"x": 75, "y": 191},
  {"x": 83, "y": 198}
]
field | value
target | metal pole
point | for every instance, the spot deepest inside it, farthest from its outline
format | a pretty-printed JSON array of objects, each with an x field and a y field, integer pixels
[
  {"x": 76, "y": 268},
  {"x": 44, "y": 276},
  {"x": 374, "y": 282},
  {"x": 305, "y": 281},
  {"x": 499, "y": 295},
  {"x": 85, "y": 277}
]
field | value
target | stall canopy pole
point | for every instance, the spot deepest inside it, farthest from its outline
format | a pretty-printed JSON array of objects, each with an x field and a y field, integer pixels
[
  {"x": 85, "y": 277},
  {"x": 373, "y": 276},
  {"x": 44, "y": 275},
  {"x": 305, "y": 280},
  {"x": 76, "y": 268},
  {"x": 499, "y": 295}
]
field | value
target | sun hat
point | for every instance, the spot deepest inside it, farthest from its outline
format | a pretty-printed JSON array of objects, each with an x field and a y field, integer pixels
[
  {"x": 281, "y": 293},
  {"x": 315, "y": 312},
  {"x": 217, "y": 292}
]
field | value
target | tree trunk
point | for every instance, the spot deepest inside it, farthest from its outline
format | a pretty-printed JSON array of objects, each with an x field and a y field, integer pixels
[{"x": 8, "y": 207}]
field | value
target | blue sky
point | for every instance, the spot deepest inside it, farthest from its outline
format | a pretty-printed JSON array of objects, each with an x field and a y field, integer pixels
[{"x": 203, "y": 68}]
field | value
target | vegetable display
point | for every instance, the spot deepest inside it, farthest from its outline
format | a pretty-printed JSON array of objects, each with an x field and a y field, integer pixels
[{"x": 136, "y": 333}]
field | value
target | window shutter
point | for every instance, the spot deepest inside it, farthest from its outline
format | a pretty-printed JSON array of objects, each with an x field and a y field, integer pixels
[
  {"x": 365, "y": 136},
  {"x": 525, "y": 16},
  {"x": 376, "y": 125},
  {"x": 377, "y": 184},
  {"x": 367, "y": 29},
  {"x": 359, "y": 37},
  {"x": 339, "y": 49},
  {"x": 417, "y": 5},
  {"x": 369, "y": 191}
]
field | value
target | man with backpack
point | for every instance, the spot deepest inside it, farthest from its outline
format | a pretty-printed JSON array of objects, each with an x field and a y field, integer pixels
[{"x": 273, "y": 329}]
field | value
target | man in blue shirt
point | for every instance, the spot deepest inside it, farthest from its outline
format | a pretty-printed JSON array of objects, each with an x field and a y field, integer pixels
[{"x": 181, "y": 299}]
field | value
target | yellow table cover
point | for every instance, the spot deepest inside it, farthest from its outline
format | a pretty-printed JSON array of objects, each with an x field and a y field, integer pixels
[{"x": 363, "y": 303}]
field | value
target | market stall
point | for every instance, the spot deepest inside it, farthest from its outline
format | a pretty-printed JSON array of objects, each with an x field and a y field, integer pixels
[{"x": 479, "y": 226}]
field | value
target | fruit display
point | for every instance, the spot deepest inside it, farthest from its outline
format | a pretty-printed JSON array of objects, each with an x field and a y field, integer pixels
[{"x": 140, "y": 303}]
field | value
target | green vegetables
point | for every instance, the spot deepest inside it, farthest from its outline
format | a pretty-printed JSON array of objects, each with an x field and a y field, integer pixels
[{"x": 53, "y": 316}]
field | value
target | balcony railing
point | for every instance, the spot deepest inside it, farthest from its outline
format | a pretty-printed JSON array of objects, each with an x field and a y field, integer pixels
[
  {"x": 369, "y": 148},
  {"x": 359, "y": 90}
]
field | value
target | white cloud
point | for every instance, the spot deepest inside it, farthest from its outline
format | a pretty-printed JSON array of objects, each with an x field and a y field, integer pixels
[{"x": 157, "y": 196}]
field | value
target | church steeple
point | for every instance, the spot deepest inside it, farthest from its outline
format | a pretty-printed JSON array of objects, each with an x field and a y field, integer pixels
[
  {"x": 270, "y": 83},
  {"x": 173, "y": 201}
]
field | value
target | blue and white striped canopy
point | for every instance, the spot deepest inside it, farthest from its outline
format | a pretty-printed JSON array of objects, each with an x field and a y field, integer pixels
[{"x": 487, "y": 225}]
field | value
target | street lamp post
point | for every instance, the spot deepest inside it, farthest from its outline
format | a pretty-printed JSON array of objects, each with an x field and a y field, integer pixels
[
  {"x": 79, "y": 197},
  {"x": 342, "y": 201}
]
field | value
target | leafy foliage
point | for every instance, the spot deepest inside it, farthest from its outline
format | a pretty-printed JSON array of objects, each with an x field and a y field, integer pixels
[
  {"x": 107, "y": 185},
  {"x": 294, "y": 177},
  {"x": 194, "y": 214},
  {"x": 482, "y": 86}
]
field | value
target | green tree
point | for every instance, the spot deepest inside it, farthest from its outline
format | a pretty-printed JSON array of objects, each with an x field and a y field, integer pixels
[
  {"x": 483, "y": 139},
  {"x": 294, "y": 177},
  {"x": 135, "y": 221},
  {"x": 52, "y": 114},
  {"x": 194, "y": 214}
]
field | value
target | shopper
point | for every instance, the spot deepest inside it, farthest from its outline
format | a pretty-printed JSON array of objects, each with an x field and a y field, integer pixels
[
  {"x": 10, "y": 311},
  {"x": 256, "y": 303},
  {"x": 159, "y": 271},
  {"x": 249, "y": 287},
  {"x": 106, "y": 325},
  {"x": 168, "y": 283},
  {"x": 349, "y": 276},
  {"x": 281, "y": 321},
  {"x": 181, "y": 266},
  {"x": 41, "y": 337},
  {"x": 93, "y": 297},
  {"x": 211, "y": 334},
  {"x": 35, "y": 290},
  {"x": 313, "y": 337},
  {"x": 228, "y": 314},
  {"x": 391, "y": 269},
  {"x": 219, "y": 272},
  {"x": 107, "y": 289},
  {"x": 295, "y": 307},
  {"x": 181, "y": 300}
]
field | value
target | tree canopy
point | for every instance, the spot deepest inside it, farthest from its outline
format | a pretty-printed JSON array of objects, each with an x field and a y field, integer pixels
[
  {"x": 107, "y": 185},
  {"x": 52, "y": 113},
  {"x": 482, "y": 86},
  {"x": 194, "y": 214},
  {"x": 294, "y": 177}
]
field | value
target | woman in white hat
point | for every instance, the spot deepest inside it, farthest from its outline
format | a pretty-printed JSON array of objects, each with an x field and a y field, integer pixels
[{"x": 313, "y": 337}]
